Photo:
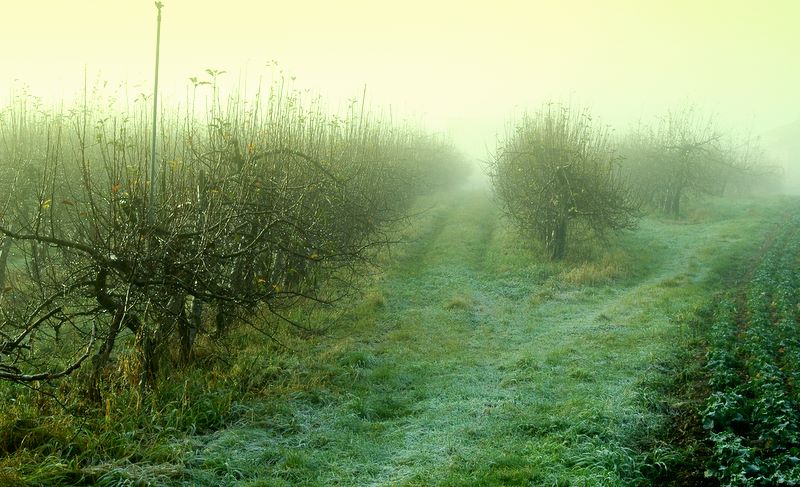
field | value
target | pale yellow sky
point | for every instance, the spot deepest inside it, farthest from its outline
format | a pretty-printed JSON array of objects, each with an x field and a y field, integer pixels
[{"x": 462, "y": 66}]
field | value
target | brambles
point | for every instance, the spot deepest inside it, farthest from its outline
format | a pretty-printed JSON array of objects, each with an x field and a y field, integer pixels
[{"x": 559, "y": 171}]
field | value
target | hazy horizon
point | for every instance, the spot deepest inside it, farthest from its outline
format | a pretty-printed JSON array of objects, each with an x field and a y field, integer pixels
[{"x": 462, "y": 68}]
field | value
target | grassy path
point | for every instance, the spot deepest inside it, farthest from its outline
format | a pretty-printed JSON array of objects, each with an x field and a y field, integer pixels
[{"x": 472, "y": 363}]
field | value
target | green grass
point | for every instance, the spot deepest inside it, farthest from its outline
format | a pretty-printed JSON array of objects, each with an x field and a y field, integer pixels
[{"x": 468, "y": 361}]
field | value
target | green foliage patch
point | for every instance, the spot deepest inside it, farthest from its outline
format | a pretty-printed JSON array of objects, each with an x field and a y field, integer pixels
[{"x": 753, "y": 412}]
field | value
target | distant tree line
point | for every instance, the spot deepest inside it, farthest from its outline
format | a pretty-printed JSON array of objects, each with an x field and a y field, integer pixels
[{"x": 559, "y": 173}]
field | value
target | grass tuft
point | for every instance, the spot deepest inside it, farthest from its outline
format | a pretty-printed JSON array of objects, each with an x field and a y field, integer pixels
[
  {"x": 374, "y": 300},
  {"x": 542, "y": 296},
  {"x": 609, "y": 268},
  {"x": 460, "y": 302}
]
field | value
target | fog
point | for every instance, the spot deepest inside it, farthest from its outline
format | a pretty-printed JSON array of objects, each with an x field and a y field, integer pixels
[{"x": 463, "y": 68}]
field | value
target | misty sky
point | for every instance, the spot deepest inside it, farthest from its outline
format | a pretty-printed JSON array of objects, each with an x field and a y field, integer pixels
[{"x": 463, "y": 67}]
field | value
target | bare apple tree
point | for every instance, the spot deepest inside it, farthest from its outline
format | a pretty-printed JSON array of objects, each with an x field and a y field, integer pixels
[{"x": 258, "y": 210}]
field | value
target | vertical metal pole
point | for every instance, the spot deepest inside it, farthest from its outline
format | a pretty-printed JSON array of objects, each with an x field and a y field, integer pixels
[{"x": 152, "y": 202}]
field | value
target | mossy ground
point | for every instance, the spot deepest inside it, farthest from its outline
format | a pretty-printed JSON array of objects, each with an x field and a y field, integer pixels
[{"x": 468, "y": 361}]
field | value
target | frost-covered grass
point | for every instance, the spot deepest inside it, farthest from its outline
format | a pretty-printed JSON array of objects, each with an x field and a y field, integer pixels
[{"x": 469, "y": 361}]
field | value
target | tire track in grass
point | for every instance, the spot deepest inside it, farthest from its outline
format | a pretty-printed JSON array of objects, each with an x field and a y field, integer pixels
[
  {"x": 574, "y": 384},
  {"x": 466, "y": 379}
]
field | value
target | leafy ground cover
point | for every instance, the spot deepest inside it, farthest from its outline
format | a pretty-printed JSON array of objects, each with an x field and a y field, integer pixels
[
  {"x": 753, "y": 412},
  {"x": 468, "y": 361}
]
